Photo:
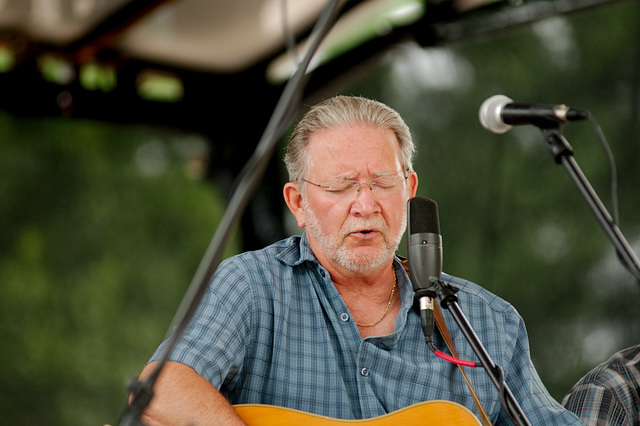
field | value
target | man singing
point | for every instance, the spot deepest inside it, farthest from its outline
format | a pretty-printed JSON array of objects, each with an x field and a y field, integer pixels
[{"x": 325, "y": 322}]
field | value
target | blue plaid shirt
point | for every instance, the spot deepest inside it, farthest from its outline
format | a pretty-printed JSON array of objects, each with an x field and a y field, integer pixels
[{"x": 273, "y": 329}]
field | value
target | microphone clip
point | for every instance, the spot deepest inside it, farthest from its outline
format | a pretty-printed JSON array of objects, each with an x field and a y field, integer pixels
[{"x": 447, "y": 294}]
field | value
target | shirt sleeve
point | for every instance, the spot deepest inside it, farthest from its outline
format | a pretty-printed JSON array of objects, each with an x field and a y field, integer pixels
[
  {"x": 502, "y": 331},
  {"x": 214, "y": 341},
  {"x": 528, "y": 389}
]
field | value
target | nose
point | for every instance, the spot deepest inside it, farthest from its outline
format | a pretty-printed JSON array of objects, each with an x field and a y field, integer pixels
[{"x": 365, "y": 204}]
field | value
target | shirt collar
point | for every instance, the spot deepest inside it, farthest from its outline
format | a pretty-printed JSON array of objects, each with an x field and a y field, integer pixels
[{"x": 299, "y": 251}]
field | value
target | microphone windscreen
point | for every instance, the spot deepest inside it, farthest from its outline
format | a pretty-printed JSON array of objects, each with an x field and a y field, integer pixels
[{"x": 423, "y": 216}]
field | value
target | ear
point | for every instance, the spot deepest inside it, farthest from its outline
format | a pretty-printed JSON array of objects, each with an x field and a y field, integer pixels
[
  {"x": 412, "y": 184},
  {"x": 293, "y": 197}
]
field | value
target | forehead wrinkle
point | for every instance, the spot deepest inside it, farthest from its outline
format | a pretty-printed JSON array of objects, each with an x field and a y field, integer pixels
[
  {"x": 337, "y": 154},
  {"x": 343, "y": 168},
  {"x": 353, "y": 177}
]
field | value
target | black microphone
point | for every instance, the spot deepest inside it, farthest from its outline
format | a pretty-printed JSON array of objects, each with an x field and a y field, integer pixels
[
  {"x": 424, "y": 255},
  {"x": 499, "y": 113}
]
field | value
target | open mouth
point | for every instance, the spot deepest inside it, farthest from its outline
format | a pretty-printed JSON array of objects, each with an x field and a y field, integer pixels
[
  {"x": 365, "y": 232},
  {"x": 371, "y": 231}
]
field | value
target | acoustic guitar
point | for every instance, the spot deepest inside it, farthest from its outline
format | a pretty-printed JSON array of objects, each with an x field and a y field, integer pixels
[{"x": 424, "y": 413}]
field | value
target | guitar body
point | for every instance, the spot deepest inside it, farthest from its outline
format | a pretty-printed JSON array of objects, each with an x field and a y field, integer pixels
[{"x": 424, "y": 413}]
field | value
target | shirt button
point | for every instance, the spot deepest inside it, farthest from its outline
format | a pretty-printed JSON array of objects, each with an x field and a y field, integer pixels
[
  {"x": 364, "y": 371},
  {"x": 344, "y": 316}
]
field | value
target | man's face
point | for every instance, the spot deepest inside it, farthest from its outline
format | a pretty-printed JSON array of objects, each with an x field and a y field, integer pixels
[{"x": 360, "y": 228}]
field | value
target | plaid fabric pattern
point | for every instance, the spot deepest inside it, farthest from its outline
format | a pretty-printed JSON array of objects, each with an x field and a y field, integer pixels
[
  {"x": 610, "y": 393},
  {"x": 273, "y": 329}
]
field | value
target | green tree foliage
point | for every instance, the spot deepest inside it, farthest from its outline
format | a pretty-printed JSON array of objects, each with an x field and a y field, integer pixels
[{"x": 101, "y": 233}]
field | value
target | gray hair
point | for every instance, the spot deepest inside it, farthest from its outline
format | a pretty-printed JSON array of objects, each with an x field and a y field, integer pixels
[{"x": 344, "y": 111}]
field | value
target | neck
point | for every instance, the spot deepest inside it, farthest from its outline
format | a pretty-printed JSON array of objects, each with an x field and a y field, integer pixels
[{"x": 374, "y": 303}]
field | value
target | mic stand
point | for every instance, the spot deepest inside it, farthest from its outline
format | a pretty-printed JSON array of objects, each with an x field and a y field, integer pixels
[
  {"x": 562, "y": 153},
  {"x": 449, "y": 300}
]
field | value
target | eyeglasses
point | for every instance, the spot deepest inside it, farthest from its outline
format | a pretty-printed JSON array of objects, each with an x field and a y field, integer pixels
[{"x": 382, "y": 185}]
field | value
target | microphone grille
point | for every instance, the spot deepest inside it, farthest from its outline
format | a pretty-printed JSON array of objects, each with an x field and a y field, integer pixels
[
  {"x": 490, "y": 114},
  {"x": 423, "y": 216}
]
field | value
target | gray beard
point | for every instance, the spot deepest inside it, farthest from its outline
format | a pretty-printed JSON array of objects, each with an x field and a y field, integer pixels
[{"x": 334, "y": 248}]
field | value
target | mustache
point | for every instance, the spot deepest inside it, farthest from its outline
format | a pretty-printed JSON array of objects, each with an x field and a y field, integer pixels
[{"x": 377, "y": 224}]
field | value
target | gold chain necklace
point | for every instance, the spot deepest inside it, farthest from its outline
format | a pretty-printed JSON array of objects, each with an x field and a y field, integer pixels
[{"x": 393, "y": 289}]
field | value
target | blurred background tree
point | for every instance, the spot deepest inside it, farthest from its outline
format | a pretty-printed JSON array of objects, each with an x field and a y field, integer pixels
[
  {"x": 102, "y": 228},
  {"x": 103, "y": 225}
]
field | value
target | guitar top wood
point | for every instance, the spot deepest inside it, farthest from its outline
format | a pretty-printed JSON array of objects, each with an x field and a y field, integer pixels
[{"x": 424, "y": 413}]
